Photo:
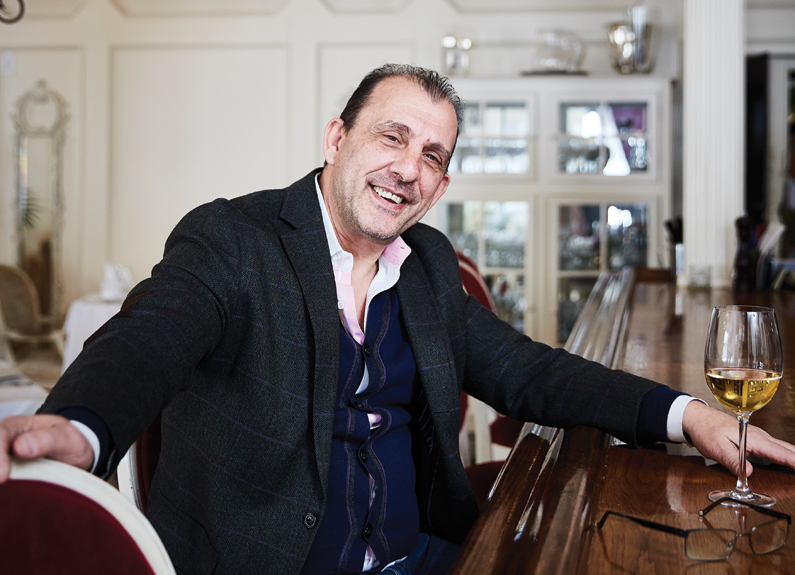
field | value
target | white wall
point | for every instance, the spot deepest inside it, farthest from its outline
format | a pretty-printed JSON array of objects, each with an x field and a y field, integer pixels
[{"x": 172, "y": 106}]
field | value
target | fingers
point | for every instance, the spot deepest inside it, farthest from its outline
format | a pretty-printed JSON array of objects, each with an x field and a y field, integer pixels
[
  {"x": 51, "y": 436},
  {"x": 761, "y": 444}
]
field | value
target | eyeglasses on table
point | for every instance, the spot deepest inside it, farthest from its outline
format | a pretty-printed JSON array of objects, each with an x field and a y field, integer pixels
[{"x": 717, "y": 544}]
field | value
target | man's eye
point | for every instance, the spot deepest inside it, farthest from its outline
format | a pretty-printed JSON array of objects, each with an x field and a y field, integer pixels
[
  {"x": 391, "y": 138},
  {"x": 433, "y": 158}
]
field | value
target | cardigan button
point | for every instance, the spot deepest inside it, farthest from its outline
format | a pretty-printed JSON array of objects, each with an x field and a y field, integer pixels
[
  {"x": 310, "y": 520},
  {"x": 368, "y": 530},
  {"x": 368, "y": 351},
  {"x": 363, "y": 456}
]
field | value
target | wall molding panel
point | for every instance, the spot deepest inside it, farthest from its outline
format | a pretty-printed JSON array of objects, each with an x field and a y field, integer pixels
[
  {"x": 365, "y": 6},
  {"x": 52, "y": 8},
  {"x": 198, "y": 7},
  {"x": 535, "y": 5},
  {"x": 181, "y": 140}
]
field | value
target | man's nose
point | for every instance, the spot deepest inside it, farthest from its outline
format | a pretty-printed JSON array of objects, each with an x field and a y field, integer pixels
[{"x": 407, "y": 163}]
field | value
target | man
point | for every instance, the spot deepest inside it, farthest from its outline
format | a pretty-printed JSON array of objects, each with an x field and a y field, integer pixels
[{"x": 307, "y": 347}]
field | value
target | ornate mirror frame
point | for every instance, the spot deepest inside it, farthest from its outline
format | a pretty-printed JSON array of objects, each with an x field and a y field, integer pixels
[{"x": 40, "y": 122}]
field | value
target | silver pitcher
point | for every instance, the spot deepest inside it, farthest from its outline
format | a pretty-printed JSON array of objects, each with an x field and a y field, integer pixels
[{"x": 630, "y": 43}]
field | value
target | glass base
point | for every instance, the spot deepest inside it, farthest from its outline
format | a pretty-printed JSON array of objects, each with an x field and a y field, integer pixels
[{"x": 759, "y": 499}]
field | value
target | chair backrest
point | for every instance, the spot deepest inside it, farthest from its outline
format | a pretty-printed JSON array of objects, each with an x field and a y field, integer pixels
[
  {"x": 137, "y": 468},
  {"x": 19, "y": 302},
  {"x": 59, "y": 519},
  {"x": 474, "y": 286},
  {"x": 473, "y": 282}
]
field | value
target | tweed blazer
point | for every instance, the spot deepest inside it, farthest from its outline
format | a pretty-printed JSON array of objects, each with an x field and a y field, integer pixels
[{"x": 235, "y": 339}]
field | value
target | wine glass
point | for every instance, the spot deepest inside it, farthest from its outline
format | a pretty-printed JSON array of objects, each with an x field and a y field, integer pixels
[{"x": 743, "y": 366}]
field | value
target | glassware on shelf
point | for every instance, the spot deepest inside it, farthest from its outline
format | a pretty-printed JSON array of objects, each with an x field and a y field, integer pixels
[
  {"x": 504, "y": 230},
  {"x": 578, "y": 237},
  {"x": 560, "y": 52},
  {"x": 507, "y": 291},
  {"x": 630, "y": 43},
  {"x": 607, "y": 138},
  {"x": 573, "y": 292},
  {"x": 456, "y": 55},
  {"x": 463, "y": 227},
  {"x": 627, "y": 236},
  {"x": 494, "y": 234},
  {"x": 493, "y": 140}
]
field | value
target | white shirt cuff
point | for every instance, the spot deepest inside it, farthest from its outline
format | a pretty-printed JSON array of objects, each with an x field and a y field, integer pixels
[
  {"x": 675, "y": 415},
  {"x": 92, "y": 439}
]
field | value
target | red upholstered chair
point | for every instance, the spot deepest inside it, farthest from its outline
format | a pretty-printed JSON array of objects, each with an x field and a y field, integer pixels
[{"x": 57, "y": 519}]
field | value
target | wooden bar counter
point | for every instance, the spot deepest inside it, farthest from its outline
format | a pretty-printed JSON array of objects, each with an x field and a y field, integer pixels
[{"x": 556, "y": 484}]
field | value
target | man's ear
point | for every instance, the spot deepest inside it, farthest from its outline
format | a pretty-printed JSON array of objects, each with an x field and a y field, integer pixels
[
  {"x": 335, "y": 131},
  {"x": 441, "y": 189}
]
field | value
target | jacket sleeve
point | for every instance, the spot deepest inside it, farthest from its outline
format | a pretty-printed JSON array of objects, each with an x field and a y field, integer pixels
[
  {"x": 143, "y": 356},
  {"x": 531, "y": 381}
]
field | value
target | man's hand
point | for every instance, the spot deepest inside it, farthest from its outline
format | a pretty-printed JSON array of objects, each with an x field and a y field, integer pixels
[
  {"x": 35, "y": 436},
  {"x": 716, "y": 435}
]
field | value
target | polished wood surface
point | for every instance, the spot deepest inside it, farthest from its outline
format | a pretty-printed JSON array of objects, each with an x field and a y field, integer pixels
[
  {"x": 556, "y": 485},
  {"x": 666, "y": 339}
]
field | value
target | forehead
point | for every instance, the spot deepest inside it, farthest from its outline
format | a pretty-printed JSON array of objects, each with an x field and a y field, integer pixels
[{"x": 403, "y": 100}]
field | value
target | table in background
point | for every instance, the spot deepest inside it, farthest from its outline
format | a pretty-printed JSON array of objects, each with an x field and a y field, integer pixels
[
  {"x": 85, "y": 316},
  {"x": 18, "y": 394},
  {"x": 556, "y": 484}
]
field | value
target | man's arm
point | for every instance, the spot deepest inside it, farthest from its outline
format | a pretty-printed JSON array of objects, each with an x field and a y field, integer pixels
[
  {"x": 36, "y": 436},
  {"x": 146, "y": 355},
  {"x": 716, "y": 435},
  {"x": 556, "y": 388}
]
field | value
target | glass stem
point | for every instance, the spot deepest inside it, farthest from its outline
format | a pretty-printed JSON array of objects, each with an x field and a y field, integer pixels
[{"x": 742, "y": 479}]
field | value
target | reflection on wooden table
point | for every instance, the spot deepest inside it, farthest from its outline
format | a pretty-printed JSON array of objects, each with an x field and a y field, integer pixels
[{"x": 557, "y": 484}]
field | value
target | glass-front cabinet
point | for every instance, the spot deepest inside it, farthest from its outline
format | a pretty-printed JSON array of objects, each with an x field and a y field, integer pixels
[
  {"x": 593, "y": 238},
  {"x": 494, "y": 139},
  {"x": 554, "y": 180},
  {"x": 608, "y": 138},
  {"x": 494, "y": 235}
]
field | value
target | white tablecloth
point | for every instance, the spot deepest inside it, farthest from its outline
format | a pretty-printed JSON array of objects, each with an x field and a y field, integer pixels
[
  {"x": 18, "y": 394},
  {"x": 85, "y": 316}
]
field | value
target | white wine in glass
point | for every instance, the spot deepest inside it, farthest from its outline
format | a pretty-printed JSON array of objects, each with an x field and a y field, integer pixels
[{"x": 743, "y": 366}]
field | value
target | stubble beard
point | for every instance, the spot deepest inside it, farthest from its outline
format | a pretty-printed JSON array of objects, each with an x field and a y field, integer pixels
[{"x": 353, "y": 219}]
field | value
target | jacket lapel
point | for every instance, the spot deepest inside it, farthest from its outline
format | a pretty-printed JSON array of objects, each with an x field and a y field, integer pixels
[
  {"x": 428, "y": 337},
  {"x": 307, "y": 249}
]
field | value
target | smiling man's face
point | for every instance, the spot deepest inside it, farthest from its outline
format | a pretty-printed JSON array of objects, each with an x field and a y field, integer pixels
[{"x": 388, "y": 169}]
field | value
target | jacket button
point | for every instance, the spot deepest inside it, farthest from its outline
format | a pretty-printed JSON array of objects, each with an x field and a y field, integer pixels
[
  {"x": 368, "y": 530},
  {"x": 358, "y": 405},
  {"x": 363, "y": 456},
  {"x": 310, "y": 520},
  {"x": 368, "y": 351}
]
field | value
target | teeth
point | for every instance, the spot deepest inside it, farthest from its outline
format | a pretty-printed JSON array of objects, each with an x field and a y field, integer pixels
[{"x": 388, "y": 195}]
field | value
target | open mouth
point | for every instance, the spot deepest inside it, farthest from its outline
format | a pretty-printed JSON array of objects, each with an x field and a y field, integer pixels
[{"x": 387, "y": 195}]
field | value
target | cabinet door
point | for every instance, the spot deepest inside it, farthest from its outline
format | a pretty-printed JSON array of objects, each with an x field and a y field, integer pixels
[
  {"x": 494, "y": 235},
  {"x": 593, "y": 237},
  {"x": 606, "y": 138},
  {"x": 495, "y": 139},
  {"x": 600, "y": 135}
]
